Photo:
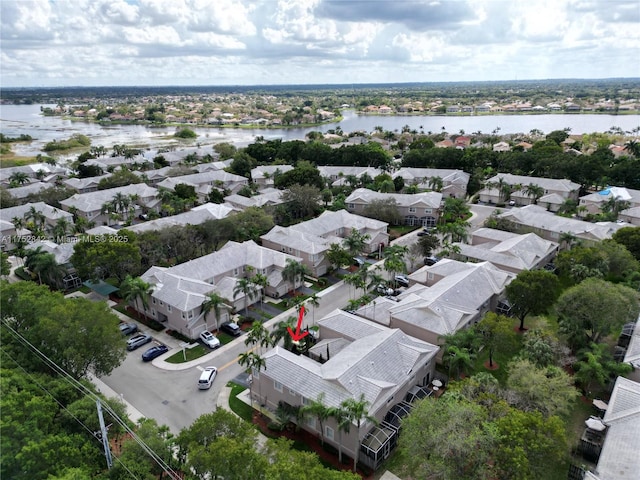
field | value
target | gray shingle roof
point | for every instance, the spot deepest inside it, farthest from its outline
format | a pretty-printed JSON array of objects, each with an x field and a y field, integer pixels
[
  {"x": 561, "y": 185},
  {"x": 93, "y": 201}
]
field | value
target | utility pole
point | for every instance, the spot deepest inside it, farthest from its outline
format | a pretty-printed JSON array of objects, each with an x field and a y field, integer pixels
[{"x": 103, "y": 434}]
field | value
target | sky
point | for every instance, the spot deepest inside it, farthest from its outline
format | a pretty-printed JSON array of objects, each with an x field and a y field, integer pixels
[{"x": 264, "y": 42}]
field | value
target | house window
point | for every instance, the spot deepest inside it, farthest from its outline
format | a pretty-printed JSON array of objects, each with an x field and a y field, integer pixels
[
  {"x": 351, "y": 206},
  {"x": 429, "y": 275},
  {"x": 168, "y": 307},
  {"x": 191, "y": 314},
  {"x": 235, "y": 271},
  {"x": 161, "y": 304},
  {"x": 153, "y": 300},
  {"x": 310, "y": 422},
  {"x": 277, "y": 385},
  {"x": 328, "y": 433},
  {"x": 412, "y": 209},
  {"x": 291, "y": 392},
  {"x": 427, "y": 211},
  {"x": 305, "y": 401},
  {"x": 182, "y": 315}
]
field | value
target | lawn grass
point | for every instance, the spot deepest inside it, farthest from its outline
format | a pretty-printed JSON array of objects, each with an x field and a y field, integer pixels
[
  {"x": 237, "y": 406},
  {"x": 188, "y": 353}
]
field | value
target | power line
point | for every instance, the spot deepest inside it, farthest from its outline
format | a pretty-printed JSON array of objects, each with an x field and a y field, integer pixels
[
  {"x": 34, "y": 380},
  {"x": 85, "y": 391}
]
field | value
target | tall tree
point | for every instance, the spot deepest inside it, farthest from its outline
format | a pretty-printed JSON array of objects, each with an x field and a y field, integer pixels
[
  {"x": 596, "y": 367},
  {"x": 355, "y": 242},
  {"x": 532, "y": 292},
  {"x": 294, "y": 272},
  {"x": 357, "y": 411},
  {"x": 253, "y": 362},
  {"x": 317, "y": 408},
  {"x": 593, "y": 309},
  {"x": 247, "y": 289},
  {"x": 215, "y": 303},
  {"x": 495, "y": 332},
  {"x": 394, "y": 259},
  {"x": 135, "y": 289}
]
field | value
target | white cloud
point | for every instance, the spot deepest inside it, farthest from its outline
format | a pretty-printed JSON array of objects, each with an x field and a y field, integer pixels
[{"x": 71, "y": 42}]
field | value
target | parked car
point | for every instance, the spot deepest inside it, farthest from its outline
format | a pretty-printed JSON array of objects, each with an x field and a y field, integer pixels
[
  {"x": 128, "y": 328},
  {"x": 384, "y": 290},
  {"x": 231, "y": 328},
  {"x": 138, "y": 340},
  {"x": 358, "y": 262},
  {"x": 207, "y": 377},
  {"x": 154, "y": 352},
  {"x": 402, "y": 280},
  {"x": 209, "y": 339},
  {"x": 426, "y": 231},
  {"x": 432, "y": 260}
]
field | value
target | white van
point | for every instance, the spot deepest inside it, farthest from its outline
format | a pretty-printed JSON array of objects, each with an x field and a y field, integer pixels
[{"x": 206, "y": 378}]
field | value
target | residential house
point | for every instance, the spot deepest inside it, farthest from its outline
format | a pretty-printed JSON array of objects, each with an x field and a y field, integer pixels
[
  {"x": 178, "y": 292},
  {"x": 417, "y": 209},
  {"x": 536, "y": 219},
  {"x": 632, "y": 353},
  {"x": 264, "y": 175},
  {"x": 462, "y": 141},
  {"x": 619, "y": 455},
  {"x": 566, "y": 189},
  {"x": 85, "y": 185},
  {"x": 630, "y": 216},
  {"x": 501, "y": 147},
  {"x": 384, "y": 366},
  {"x": 34, "y": 171},
  {"x": 203, "y": 182},
  {"x": 20, "y": 193},
  {"x": 90, "y": 205},
  {"x": 22, "y": 215},
  {"x": 442, "y": 299},
  {"x": 508, "y": 251},
  {"x": 311, "y": 240},
  {"x": 451, "y": 183},
  {"x": 593, "y": 202},
  {"x": 339, "y": 175},
  {"x": 153, "y": 177},
  {"x": 62, "y": 252},
  {"x": 267, "y": 198},
  {"x": 196, "y": 216}
]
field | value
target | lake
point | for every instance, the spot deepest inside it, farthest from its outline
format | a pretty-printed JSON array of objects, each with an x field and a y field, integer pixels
[{"x": 26, "y": 119}]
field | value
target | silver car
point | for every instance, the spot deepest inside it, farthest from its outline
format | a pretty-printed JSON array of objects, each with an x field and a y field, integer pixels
[{"x": 138, "y": 340}]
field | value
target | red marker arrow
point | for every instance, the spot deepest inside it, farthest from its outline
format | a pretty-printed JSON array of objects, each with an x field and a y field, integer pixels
[{"x": 297, "y": 336}]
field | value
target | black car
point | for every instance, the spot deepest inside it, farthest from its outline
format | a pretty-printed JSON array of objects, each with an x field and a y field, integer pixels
[
  {"x": 428, "y": 261},
  {"x": 231, "y": 328},
  {"x": 154, "y": 352}
]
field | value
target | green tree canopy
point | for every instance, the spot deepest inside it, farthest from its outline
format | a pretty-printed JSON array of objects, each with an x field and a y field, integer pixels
[
  {"x": 532, "y": 292},
  {"x": 593, "y": 309},
  {"x": 105, "y": 256}
]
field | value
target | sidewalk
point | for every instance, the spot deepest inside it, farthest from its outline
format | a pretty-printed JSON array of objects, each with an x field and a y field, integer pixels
[{"x": 133, "y": 413}]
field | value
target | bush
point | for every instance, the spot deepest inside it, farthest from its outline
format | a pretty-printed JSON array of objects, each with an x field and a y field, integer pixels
[
  {"x": 185, "y": 133},
  {"x": 20, "y": 273}
]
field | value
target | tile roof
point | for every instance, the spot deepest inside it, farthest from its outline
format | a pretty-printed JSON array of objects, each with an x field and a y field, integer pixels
[
  {"x": 424, "y": 200},
  {"x": 52, "y": 213},
  {"x": 195, "y": 216},
  {"x": 375, "y": 365},
  {"x": 561, "y": 184},
  {"x": 538, "y": 217},
  {"x": 93, "y": 201},
  {"x": 619, "y": 457},
  {"x": 451, "y": 302}
]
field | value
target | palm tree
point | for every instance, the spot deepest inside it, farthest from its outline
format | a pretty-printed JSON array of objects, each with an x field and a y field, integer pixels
[
  {"x": 633, "y": 147},
  {"x": 134, "y": 289},
  {"x": 18, "y": 223},
  {"x": 458, "y": 359},
  {"x": 213, "y": 303},
  {"x": 281, "y": 332},
  {"x": 356, "y": 411},
  {"x": 18, "y": 178},
  {"x": 44, "y": 264},
  {"x": 61, "y": 228},
  {"x": 36, "y": 217},
  {"x": 252, "y": 361},
  {"x": 261, "y": 281},
  {"x": 245, "y": 287},
  {"x": 317, "y": 409},
  {"x": 567, "y": 239},
  {"x": 294, "y": 272},
  {"x": 436, "y": 183},
  {"x": 314, "y": 301},
  {"x": 394, "y": 259},
  {"x": 535, "y": 191},
  {"x": 353, "y": 279},
  {"x": 355, "y": 242},
  {"x": 343, "y": 422}
]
